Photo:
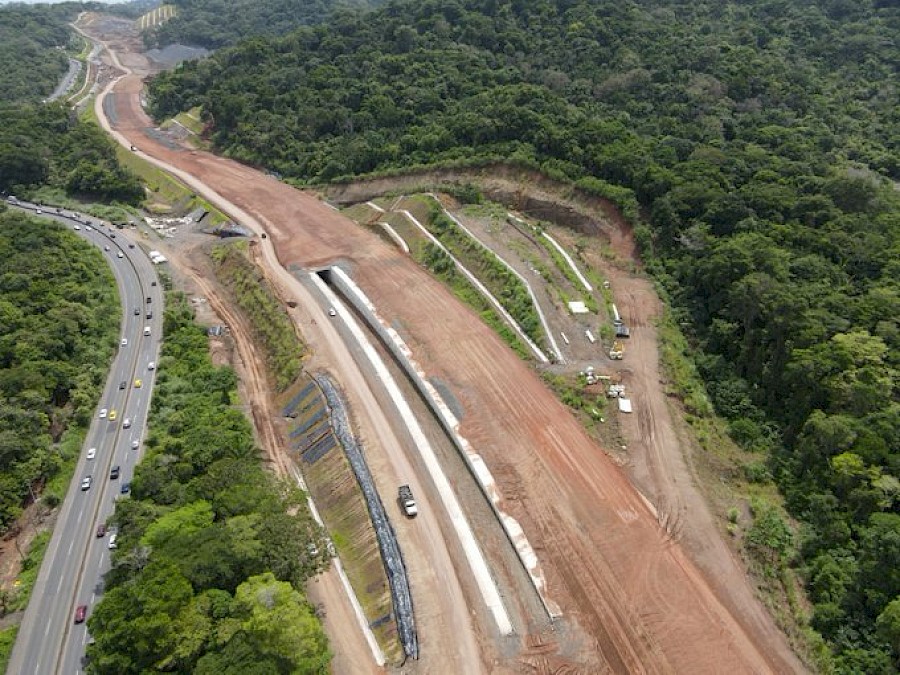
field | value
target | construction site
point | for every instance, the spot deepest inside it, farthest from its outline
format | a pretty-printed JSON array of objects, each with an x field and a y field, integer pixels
[{"x": 503, "y": 366}]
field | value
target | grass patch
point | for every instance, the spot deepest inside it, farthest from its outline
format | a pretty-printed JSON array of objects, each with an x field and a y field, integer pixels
[
  {"x": 7, "y": 640},
  {"x": 30, "y": 568},
  {"x": 190, "y": 120},
  {"x": 271, "y": 325},
  {"x": 570, "y": 391},
  {"x": 410, "y": 233},
  {"x": 362, "y": 214},
  {"x": 58, "y": 197}
]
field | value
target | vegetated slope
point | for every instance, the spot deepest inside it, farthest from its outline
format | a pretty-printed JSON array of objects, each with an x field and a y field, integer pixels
[
  {"x": 272, "y": 327},
  {"x": 48, "y": 145},
  {"x": 58, "y": 324},
  {"x": 217, "y": 23},
  {"x": 748, "y": 135},
  {"x": 31, "y": 38},
  {"x": 213, "y": 551}
]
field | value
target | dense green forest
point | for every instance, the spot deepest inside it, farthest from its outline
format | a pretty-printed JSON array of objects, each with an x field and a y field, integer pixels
[
  {"x": 48, "y": 145},
  {"x": 213, "y": 551},
  {"x": 59, "y": 318},
  {"x": 217, "y": 23},
  {"x": 32, "y": 43},
  {"x": 748, "y": 141}
]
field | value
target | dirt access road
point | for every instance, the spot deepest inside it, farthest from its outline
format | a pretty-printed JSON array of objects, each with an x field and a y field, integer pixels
[{"x": 641, "y": 604}]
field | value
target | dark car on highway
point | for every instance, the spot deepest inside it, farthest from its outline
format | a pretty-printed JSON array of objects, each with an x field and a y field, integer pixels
[
  {"x": 80, "y": 613},
  {"x": 114, "y": 472},
  {"x": 101, "y": 530}
]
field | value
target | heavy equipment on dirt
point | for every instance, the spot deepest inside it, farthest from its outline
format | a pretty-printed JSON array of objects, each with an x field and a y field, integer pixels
[{"x": 617, "y": 351}]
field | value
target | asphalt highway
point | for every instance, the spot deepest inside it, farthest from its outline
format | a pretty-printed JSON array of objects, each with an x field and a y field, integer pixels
[{"x": 71, "y": 575}]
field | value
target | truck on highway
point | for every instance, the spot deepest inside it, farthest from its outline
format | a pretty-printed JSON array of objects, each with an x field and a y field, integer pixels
[{"x": 407, "y": 501}]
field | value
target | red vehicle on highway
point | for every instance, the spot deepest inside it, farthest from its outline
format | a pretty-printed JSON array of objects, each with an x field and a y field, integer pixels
[{"x": 80, "y": 613}]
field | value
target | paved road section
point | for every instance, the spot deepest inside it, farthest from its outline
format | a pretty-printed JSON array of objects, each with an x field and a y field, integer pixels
[
  {"x": 71, "y": 575},
  {"x": 67, "y": 81}
]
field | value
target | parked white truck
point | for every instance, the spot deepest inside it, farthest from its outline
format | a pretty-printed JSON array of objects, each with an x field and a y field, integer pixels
[{"x": 407, "y": 501}]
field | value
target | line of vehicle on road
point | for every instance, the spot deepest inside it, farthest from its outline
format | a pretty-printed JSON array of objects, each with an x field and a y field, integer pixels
[{"x": 103, "y": 451}]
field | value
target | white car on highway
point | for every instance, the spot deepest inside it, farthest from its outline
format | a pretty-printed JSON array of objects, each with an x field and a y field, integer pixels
[
  {"x": 86, "y": 483},
  {"x": 124, "y": 342},
  {"x": 91, "y": 453},
  {"x": 151, "y": 366},
  {"x": 103, "y": 413}
]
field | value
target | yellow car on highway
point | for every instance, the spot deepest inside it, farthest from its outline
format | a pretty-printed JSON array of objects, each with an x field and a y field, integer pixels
[
  {"x": 112, "y": 415},
  {"x": 138, "y": 384}
]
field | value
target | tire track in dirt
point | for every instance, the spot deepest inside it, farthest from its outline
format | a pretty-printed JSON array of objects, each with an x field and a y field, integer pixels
[{"x": 605, "y": 625}]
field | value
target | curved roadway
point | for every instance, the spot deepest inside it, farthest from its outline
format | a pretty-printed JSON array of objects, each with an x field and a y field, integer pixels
[{"x": 71, "y": 575}]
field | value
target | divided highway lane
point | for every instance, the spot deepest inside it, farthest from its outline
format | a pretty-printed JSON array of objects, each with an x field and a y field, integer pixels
[{"x": 49, "y": 640}]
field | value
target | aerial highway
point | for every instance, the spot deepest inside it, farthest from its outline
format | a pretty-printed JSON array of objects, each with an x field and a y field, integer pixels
[{"x": 53, "y": 633}]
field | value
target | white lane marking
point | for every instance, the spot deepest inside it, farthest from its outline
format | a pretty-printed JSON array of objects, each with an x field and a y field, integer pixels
[{"x": 71, "y": 544}]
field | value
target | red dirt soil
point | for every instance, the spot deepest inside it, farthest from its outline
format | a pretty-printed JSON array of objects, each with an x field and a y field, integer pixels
[{"x": 642, "y": 604}]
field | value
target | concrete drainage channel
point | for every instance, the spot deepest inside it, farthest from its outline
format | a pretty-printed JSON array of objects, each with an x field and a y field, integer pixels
[{"x": 333, "y": 281}]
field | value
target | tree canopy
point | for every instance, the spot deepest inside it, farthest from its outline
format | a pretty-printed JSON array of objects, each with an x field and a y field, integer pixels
[
  {"x": 212, "y": 550},
  {"x": 218, "y": 23},
  {"x": 33, "y": 40},
  {"x": 48, "y": 145},
  {"x": 58, "y": 325}
]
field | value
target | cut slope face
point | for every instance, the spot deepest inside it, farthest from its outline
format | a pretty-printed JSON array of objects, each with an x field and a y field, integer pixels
[{"x": 641, "y": 603}]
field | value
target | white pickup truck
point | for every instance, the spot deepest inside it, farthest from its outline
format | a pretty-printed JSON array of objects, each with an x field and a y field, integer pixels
[{"x": 407, "y": 501}]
